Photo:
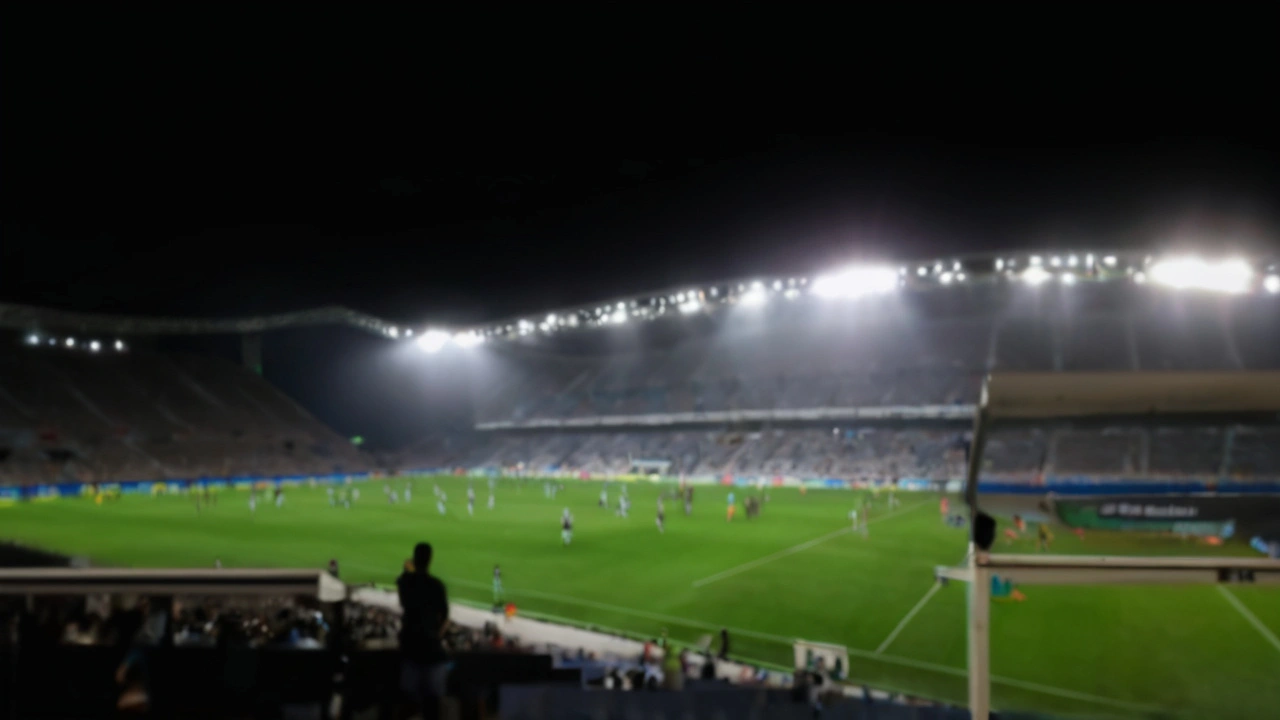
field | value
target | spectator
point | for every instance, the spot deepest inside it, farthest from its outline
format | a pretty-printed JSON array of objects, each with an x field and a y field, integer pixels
[
  {"x": 425, "y": 611},
  {"x": 724, "y": 643}
]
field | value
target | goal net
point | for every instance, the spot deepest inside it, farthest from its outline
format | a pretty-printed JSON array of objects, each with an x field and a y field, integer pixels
[{"x": 1109, "y": 479}]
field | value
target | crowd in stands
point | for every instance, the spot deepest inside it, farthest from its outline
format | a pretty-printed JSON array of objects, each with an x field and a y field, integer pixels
[
  {"x": 72, "y": 417},
  {"x": 1231, "y": 452},
  {"x": 817, "y": 361}
]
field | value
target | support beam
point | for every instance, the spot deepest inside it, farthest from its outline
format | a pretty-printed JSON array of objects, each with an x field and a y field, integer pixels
[{"x": 979, "y": 639}]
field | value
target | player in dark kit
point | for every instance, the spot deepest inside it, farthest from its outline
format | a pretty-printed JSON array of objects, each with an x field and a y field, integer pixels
[
  {"x": 566, "y": 527},
  {"x": 662, "y": 516}
]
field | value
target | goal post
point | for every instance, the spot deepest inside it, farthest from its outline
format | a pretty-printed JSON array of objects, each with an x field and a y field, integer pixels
[{"x": 1145, "y": 399}]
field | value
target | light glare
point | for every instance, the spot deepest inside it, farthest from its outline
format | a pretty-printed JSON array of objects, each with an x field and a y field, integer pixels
[
  {"x": 1272, "y": 284},
  {"x": 433, "y": 341},
  {"x": 1035, "y": 275},
  {"x": 856, "y": 282},
  {"x": 1224, "y": 276},
  {"x": 467, "y": 340}
]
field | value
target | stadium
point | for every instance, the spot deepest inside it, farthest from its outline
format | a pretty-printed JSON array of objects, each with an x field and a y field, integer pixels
[{"x": 779, "y": 471}]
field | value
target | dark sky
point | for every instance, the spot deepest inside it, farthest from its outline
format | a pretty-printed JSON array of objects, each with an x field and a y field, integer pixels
[{"x": 446, "y": 167}]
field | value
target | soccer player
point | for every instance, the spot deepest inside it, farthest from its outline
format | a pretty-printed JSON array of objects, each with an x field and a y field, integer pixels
[
  {"x": 490, "y": 499},
  {"x": 1043, "y": 537},
  {"x": 440, "y": 503},
  {"x": 217, "y": 563},
  {"x": 688, "y": 501},
  {"x": 944, "y": 508},
  {"x": 279, "y": 497},
  {"x": 253, "y": 502},
  {"x": 333, "y": 502},
  {"x": 662, "y": 516},
  {"x": 355, "y": 495},
  {"x": 497, "y": 585},
  {"x": 731, "y": 510},
  {"x": 604, "y": 497},
  {"x": 853, "y": 518},
  {"x": 624, "y": 504},
  {"x": 566, "y": 527},
  {"x": 408, "y": 492},
  {"x": 393, "y": 497}
]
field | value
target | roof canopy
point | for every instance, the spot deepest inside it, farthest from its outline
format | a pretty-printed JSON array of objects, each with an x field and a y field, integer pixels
[
  {"x": 1084, "y": 395},
  {"x": 72, "y": 581}
]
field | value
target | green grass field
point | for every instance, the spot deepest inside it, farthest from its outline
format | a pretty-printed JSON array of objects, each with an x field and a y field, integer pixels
[{"x": 795, "y": 572}]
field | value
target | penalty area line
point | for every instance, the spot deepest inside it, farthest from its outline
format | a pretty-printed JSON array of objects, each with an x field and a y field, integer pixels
[
  {"x": 1262, "y": 629},
  {"x": 794, "y": 549},
  {"x": 912, "y": 613}
]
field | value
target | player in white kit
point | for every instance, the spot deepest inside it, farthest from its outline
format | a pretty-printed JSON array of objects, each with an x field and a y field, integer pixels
[
  {"x": 471, "y": 500},
  {"x": 566, "y": 527}
]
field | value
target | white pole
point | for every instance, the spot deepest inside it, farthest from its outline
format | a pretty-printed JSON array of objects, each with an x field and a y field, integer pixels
[{"x": 979, "y": 639}]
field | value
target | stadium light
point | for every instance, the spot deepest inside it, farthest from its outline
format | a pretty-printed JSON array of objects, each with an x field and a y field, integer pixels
[
  {"x": 433, "y": 341},
  {"x": 618, "y": 317},
  {"x": 756, "y": 296},
  {"x": 946, "y": 278},
  {"x": 922, "y": 271},
  {"x": 467, "y": 340},
  {"x": 1193, "y": 273},
  {"x": 408, "y": 332},
  {"x": 1035, "y": 275},
  {"x": 856, "y": 282},
  {"x": 95, "y": 346},
  {"x": 999, "y": 263},
  {"x": 1272, "y": 284},
  {"x": 791, "y": 294},
  {"x": 691, "y": 306},
  {"x": 1055, "y": 261},
  {"x": 393, "y": 331},
  {"x": 119, "y": 346},
  {"x": 1068, "y": 278},
  {"x": 33, "y": 339},
  {"x": 1109, "y": 261},
  {"x": 1072, "y": 261},
  {"x": 71, "y": 342}
]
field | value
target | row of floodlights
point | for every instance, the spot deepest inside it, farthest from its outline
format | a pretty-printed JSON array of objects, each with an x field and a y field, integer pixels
[
  {"x": 72, "y": 343},
  {"x": 1232, "y": 276}
]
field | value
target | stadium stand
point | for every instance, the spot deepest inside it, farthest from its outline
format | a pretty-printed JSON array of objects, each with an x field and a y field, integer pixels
[{"x": 69, "y": 417}]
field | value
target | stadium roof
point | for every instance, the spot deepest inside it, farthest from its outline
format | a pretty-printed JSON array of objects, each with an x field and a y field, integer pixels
[
  {"x": 1232, "y": 275},
  {"x": 1009, "y": 396},
  {"x": 74, "y": 581}
]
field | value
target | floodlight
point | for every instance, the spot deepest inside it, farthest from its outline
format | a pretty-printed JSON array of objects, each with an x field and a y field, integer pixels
[
  {"x": 1072, "y": 261},
  {"x": 713, "y": 292},
  {"x": 408, "y": 332},
  {"x": 71, "y": 342},
  {"x": 946, "y": 278},
  {"x": 1055, "y": 261},
  {"x": 755, "y": 297},
  {"x": 856, "y": 282},
  {"x": 618, "y": 318},
  {"x": 1109, "y": 261},
  {"x": 777, "y": 284},
  {"x": 1068, "y": 278},
  {"x": 960, "y": 277},
  {"x": 791, "y": 294},
  {"x": 1272, "y": 284},
  {"x": 33, "y": 339},
  {"x": 1226, "y": 276},
  {"x": 119, "y": 346},
  {"x": 467, "y": 340},
  {"x": 53, "y": 341},
  {"x": 999, "y": 263},
  {"x": 922, "y": 271},
  {"x": 433, "y": 341},
  {"x": 1035, "y": 275},
  {"x": 393, "y": 331},
  {"x": 95, "y": 346},
  {"x": 1140, "y": 277},
  {"x": 692, "y": 306},
  {"x": 1088, "y": 260},
  {"x": 1035, "y": 260}
]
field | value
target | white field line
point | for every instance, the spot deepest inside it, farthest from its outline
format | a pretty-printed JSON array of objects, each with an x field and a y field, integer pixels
[
  {"x": 912, "y": 613},
  {"x": 1263, "y": 630},
  {"x": 867, "y": 654},
  {"x": 794, "y": 549}
]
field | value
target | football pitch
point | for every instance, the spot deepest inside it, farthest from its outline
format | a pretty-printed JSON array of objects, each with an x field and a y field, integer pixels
[{"x": 797, "y": 571}]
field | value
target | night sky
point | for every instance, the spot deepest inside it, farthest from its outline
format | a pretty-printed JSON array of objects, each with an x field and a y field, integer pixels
[{"x": 435, "y": 167}]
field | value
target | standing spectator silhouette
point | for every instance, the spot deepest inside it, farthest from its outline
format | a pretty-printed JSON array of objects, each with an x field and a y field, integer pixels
[{"x": 425, "y": 608}]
